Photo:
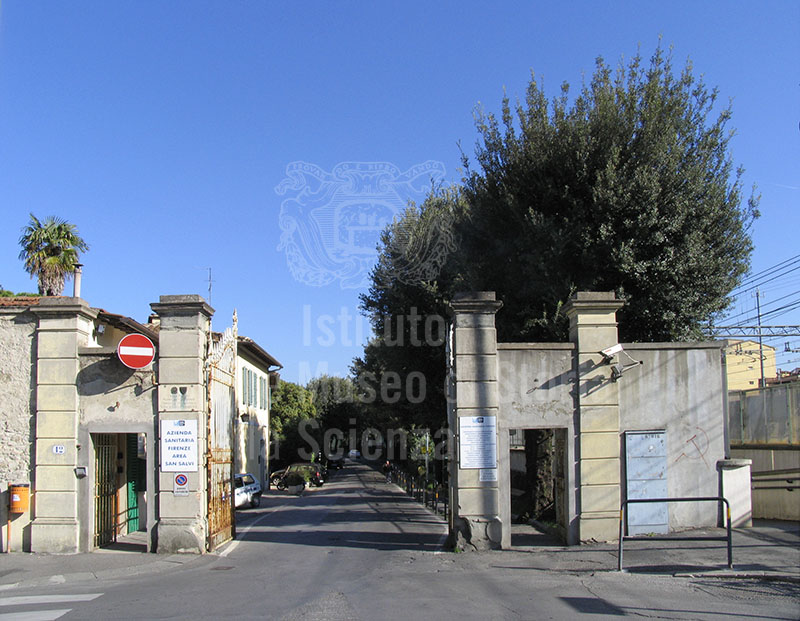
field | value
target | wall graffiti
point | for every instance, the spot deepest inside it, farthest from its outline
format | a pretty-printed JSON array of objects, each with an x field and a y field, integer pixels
[{"x": 696, "y": 447}]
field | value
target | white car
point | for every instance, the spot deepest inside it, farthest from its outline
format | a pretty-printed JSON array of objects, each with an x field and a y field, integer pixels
[
  {"x": 247, "y": 490},
  {"x": 354, "y": 454}
]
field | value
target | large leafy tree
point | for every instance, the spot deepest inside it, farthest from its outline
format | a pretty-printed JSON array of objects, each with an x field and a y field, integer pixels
[
  {"x": 334, "y": 399},
  {"x": 627, "y": 187},
  {"x": 292, "y": 407},
  {"x": 50, "y": 250}
]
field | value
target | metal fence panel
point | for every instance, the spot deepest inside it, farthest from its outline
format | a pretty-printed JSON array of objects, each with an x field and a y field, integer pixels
[{"x": 765, "y": 416}]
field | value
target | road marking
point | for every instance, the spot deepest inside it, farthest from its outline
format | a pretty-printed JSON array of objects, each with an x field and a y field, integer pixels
[
  {"x": 20, "y": 600},
  {"x": 235, "y": 543},
  {"x": 38, "y": 600},
  {"x": 35, "y": 615}
]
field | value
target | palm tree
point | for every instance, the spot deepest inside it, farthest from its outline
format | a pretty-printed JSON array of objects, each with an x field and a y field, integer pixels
[{"x": 50, "y": 250}]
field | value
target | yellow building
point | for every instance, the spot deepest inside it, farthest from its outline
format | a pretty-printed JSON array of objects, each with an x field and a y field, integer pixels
[{"x": 744, "y": 363}]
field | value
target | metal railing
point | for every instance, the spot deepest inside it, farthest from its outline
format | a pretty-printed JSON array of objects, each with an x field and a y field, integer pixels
[
  {"x": 788, "y": 480},
  {"x": 718, "y": 499},
  {"x": 436, "y": 499}
]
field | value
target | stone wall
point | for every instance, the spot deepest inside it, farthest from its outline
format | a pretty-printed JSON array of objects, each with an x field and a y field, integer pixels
[
  {"x": 679, "y": 389},
  {"x": 17, "y": 376},
  {"x": 111, "y": 393},
  {"x": 590, "y": 398}
]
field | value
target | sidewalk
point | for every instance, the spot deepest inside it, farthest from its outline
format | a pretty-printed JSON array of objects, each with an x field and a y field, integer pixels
[
  {"x": 20, "y": 569},
  {"x": 768, "y": 551}
]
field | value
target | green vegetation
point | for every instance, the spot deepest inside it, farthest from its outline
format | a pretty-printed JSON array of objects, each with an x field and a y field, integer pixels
[
  {"x": 50, "y": 251},
  {"x": 291, "y": 406},
  {"x": 21, "y": 294}
]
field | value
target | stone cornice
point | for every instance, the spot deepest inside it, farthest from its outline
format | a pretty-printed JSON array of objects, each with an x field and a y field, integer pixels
[
  {"x": 64, "y": 306},
  {"x": 182, "y": 305},
  {"x": 475, "y": 302}
]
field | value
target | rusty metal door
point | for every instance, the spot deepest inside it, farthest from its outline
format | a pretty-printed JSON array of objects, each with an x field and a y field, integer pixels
[
  {"x": 105, "y": 488},
  {"x": 221, "y": 410}
]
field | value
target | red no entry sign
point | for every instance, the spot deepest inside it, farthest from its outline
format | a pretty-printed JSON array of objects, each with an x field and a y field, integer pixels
[{"x": 136, "y": 351}]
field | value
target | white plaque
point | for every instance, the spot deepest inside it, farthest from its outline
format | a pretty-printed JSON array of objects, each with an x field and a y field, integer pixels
[
  {"x": 488, "y": 474},
  {"x": 179, "y": 446},
  {"x": 477, "y": 442}
]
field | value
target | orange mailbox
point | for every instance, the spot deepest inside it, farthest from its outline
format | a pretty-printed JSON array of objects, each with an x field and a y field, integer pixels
[{"x": 19, "y": 498}]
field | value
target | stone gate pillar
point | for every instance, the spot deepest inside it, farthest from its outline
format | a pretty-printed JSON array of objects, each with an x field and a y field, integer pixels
[
  {"x": 476, "y": 508},
  {"x": 185, "y": 322},
  {"x": 593, "y": 328},
  {"x": 64, "y": 324}
]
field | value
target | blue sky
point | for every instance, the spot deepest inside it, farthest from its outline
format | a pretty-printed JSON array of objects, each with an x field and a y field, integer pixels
[{"x": 162, "y": 130}]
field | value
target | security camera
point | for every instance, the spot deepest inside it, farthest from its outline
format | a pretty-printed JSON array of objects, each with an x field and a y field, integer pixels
[{"x": 609, "y": 352}]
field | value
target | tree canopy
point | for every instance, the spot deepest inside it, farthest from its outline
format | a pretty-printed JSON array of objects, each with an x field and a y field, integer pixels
[
  {"x": 629, "y": 187},
  {"x": 50, "y": 251},
  {"x": 291, "y": 406}
]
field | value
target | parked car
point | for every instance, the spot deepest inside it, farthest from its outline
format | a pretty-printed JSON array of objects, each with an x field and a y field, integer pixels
[
  {"x": 354, "y": 454},
  {"x": 276, "y": 476},
  {"x": 335, "y": 464},
  {"x": 311, "y": 472},
  {"x": 247, "y": 490}
]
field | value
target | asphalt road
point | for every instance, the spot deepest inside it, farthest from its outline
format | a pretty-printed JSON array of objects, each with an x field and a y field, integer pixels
[{"x": 358, "y": 548}]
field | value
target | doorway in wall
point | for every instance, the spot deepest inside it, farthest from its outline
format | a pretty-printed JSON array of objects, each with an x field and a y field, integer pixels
[
  {"x": 538, "y": 486},
  {"x": 120, "y": 477}
]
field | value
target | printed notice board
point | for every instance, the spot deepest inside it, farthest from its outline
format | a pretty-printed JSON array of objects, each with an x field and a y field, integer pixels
[
  {"x": 477, "y": 442},
  {"x": 179, "y": 446}
]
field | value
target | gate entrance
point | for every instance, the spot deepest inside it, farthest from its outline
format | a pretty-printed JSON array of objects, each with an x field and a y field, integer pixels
[
  {"x": 537, "y": 463},
  {"x": 105, "y": 488},
  {"x": 221, "y": 410},
  {"x": 119, "y": 486}
]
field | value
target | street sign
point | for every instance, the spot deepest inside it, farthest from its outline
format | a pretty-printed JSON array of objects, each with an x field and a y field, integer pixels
[
  {"x": 136, "y": 351},
  {"x": 181, "y": 485},
  {"x": 179, "y": 446}
]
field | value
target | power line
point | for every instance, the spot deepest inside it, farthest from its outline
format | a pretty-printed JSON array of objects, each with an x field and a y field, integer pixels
[
  {"x": 732, "y": 317},
  {"x": 750, "y": 283}
]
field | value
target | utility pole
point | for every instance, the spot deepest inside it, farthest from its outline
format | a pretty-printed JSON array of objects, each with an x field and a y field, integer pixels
[{"x": 762, "y": 383}]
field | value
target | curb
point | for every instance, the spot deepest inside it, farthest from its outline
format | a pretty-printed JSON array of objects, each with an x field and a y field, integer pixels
[
  {"x": 744, "y": 575},
  {"x": 157, "y": 566}
]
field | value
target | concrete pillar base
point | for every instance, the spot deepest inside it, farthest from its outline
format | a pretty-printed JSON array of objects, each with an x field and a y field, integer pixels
[
  {"x": 54, "y": 536},
  {"x": 475, "y": 534},
  {"x": 180, "y": 537},
  {"x": 599, "y": 528}
]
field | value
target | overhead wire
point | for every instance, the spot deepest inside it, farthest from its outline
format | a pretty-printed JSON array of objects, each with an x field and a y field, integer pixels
[{"x": 750, "y": 283}]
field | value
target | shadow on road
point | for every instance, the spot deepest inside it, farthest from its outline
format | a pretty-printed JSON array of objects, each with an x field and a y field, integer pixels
[{"x": 355, "y": 509}]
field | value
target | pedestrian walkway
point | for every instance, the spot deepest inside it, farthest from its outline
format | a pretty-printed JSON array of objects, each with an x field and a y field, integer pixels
[
  {"x": 30, "y": 570},
  {"x": 40, "y": 607}
]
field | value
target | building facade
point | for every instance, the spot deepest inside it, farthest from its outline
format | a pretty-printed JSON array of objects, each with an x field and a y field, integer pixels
[
  {"x": 102, "y": 449},
  {"x": 745, "y": 361}
]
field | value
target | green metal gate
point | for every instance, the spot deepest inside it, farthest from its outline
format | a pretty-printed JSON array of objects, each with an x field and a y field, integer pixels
[
  {"x": 105, "y": 488},
  {"x": 136, "y": 481}
]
